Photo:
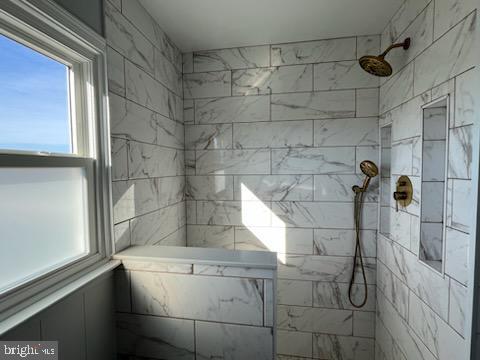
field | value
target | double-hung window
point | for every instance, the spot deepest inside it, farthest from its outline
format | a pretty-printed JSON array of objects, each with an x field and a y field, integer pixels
[{"x": 54, "y": 159}]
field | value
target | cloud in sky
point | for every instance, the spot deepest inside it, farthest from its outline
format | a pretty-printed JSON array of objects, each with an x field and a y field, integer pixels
[{"x": 34, "y": 112}]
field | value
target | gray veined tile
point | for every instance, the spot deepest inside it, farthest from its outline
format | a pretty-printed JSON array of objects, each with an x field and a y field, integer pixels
[
  {"x": 367, "y": 102},
  {"x": 232, "y": 162},
  {"x": 168, "y": 74},
  {"x": 247, "y": 213},
  {"x": 234, "y": 58},
  {"x": 210, "y": 236},
  {"x": 364, "y": 324},
  {"x": 339, "y": 188},
  {"x": 126, "y": 39},
  {"x": 342, "y": 347},
  {"x": 147, "y": 161},
  {"x": 460, "y": 152},
  {"x": 206, "y": 85},
  {"x": 368, "y": 45},
  {"x": 119, "y": 159},
  {"x": 190, "y": 162},
  {"x": 274, "y": 187},
  {"x": 204, "y": 137},
  {"x": 465, "y": 101},
  {"x": 187, "y": 63},
  {"x": 449, "y": 13},
  {"x": 115, "y": 72},
  {"x": 459, "y": 204},
  {"x": 457, "y": 307},
  {"x": 346, "y": 132},
  {"x": 239, "y": 272},
  {"x": 188, "y": 111},
  {"x": 168, "y": 48},
  {"x": 453, "y": 53},
  {"x": 294, "y": 292},
  {"x": 121, "y": 233},
  {"x": 191, "y": 209},
  {"x": 314, "y": 51},
  {"x": 293, "y": 344},
  {"x": 151, "y": 335},
  {"x": 397, "y": 89},
  {"x": 333, "y": 295},
  {"x": 342, "y": 75},
  {"x": 227, "y": 341},
  {"x": 206, "y": 187},
  {"x": 308, "y": 319},
  {"x": 276, "y": 134},
  {"x": 221, "y": 299},
  {"x": 281, "y": 79},
  {"x": 393, "y": 289},
  {"x": 326, "y": 160},
  {"x": 232, "y": 109},
  {"x": 333, "y": 242},
  {"x": 313, "y": 105},
  {"x": 457, "y": 255}
]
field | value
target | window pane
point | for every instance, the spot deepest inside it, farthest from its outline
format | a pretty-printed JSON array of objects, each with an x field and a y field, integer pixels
[
  {"x": 34, "y": 100},
  {"x": 43, "y": 221}
]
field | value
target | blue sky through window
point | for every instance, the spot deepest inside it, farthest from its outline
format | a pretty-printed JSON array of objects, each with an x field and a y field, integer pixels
[{"x": 34, "y": 112}]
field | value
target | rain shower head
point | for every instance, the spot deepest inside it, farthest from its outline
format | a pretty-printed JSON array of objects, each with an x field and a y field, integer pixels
[{"x": 377, "y": 65}]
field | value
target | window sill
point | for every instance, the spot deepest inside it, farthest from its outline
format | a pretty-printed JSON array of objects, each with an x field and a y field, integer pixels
[{"x": 37, "y": 307}]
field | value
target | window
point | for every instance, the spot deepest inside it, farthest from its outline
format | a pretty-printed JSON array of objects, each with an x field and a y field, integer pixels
[{"x": 54, "y": 163}]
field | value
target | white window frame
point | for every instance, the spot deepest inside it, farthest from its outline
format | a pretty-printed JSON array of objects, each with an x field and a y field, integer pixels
[{"x": 49, "y": 29}]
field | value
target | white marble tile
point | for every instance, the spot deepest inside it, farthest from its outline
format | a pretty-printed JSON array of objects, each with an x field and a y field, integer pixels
[
  {"x": 155, "y": 226},
  {"x": 405, "y": 338},
  {"x": 323, "y": 214},
  {"x": 205, "y": 85},
  {"x": 232, "y": 162},
  {"x": 339, "y": 188},
  {"x": 433, "y": 160},
  {"x": 210, "y": 236},
  {"x": 453, "y": 54},
  {"x": 313, "y": 105},
  {"x": 327, "y": 268},
  {"x": 205, "y": 137},
  {"x": 190, "y": 162},
  {"x": 234, "y": 58},
  {"x": 188, "y": 111},
  {"x": 385, "y": 346},
  {"x": 342, "y": 75},
  {"x": 293, "y": 344},
  {"x": 460, "y": 150},
  {"x": 272, "y": 80},
  {"x": 440, "y": 338},
  {"x": 457, "y": 255},
  {"x": 397, "y": 90},
  {"x": 122, "y": 291},
  {"x": 276, "y": 134},
  {"x": 176, "y": 238},
  {"x": 342, "y": 347},
  {"x": 152, "y": 266},
  {"x": 402, "y": 157},
  {"x": 393, "y": 289},
  {"x": 248, "y": 213},
  {"x": 367, "y": 102},
  {"x": 331, "y": 321},
  {"x": 146, "y": 91},
  {"x": 332, "y": 295},
  {"x": 431, "y": 242},
  {"x": 167, "y": 73},
  {"x": 435, "y": 123},
  {"x": 327, "y": 160},
  {"x": 457, "y": 314},
  {"x": 459, "y": 209},
  {"x": 191, "y": 209},
  {"x": 121, "y": 233},
  {"x": 274, "y": 187},
  {"x": 214, "y": 341},
  {"x": 115, "y": 71},
  {"x": 220, "y": 299},
  {"x": 187, "y": 63},
  {"x": 151, "y": 335},
  {"x": 145, "y": 161},
  {"x": 465, "y": 104},
  {"x": 232, "y": 109},
  {"x": 400, "y": 227},
  {"x": 364, "y": 324},
  {"x": 368, "y": 45},
  {"x": 167, "y": 47},
  {"x": 363, "y": 153},
  {"x": 237, "y": 272},
  {"x": 448, "y": 13},
  {"x": 407, "y": 119},
  {"x": 294, "y": 292},
  {"x": 206, "y": 187},
  {"x": 278, "y": 239},
  {"x": 346, "y": 132},
  {"x": 126, "y": 39},
  {"x": 333, "y": 242},
  {"x": 314, "y": 51},
  {"x": 432, "y": 201},
  {"x": 119, "y": 159}
]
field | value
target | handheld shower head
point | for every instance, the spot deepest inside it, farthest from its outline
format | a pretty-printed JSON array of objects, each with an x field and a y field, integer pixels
[
  {"x": 377, "y": 65},
  {"x": 370, "y": 170}
]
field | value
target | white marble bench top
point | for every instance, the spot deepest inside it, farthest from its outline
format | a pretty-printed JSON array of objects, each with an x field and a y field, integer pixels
[{"x": 205, "y": 256}]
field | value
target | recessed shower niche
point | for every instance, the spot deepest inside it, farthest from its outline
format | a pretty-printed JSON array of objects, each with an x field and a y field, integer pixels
[{"x": 433, "y": 183}]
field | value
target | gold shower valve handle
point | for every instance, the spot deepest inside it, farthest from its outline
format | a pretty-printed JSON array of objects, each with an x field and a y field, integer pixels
[{"x": 404, "y": 193}]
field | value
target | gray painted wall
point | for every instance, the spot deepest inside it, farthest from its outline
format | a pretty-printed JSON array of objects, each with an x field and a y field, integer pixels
[
  {"x": 89, "y": 11},
  {"x": 83, "y": 323}
]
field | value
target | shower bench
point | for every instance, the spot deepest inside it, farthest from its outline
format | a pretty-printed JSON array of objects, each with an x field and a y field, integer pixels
[{"x": 181, "y": 302}]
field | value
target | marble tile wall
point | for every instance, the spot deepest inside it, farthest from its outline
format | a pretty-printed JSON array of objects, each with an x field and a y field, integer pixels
[
  {"x": 274, "y": 135},
  {"x": 146, "y": 112},
  {"x": 421, "y": 313},
  {"x": 194, "y": 311}
]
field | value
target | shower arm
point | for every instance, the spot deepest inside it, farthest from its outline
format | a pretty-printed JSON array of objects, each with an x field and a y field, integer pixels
[{"x": 405, "y": 45}]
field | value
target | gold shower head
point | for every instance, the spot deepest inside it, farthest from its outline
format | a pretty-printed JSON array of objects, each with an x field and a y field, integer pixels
[
  {"x": 377, "y": 65},
  {"x": 369, "y": 168}
]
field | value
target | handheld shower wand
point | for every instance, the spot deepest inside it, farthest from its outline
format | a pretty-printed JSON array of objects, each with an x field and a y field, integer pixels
[{"x": 370, "y": 170}]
